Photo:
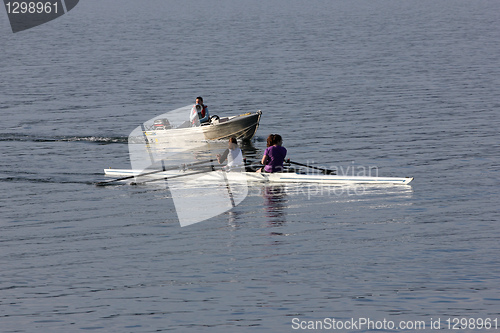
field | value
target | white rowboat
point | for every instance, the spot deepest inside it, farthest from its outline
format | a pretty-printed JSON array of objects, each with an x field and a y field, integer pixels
[{"x": 285, "y": 177}]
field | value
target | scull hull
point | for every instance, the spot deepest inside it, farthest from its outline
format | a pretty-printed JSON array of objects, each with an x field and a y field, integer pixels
[{"x": 269, "y": 177}]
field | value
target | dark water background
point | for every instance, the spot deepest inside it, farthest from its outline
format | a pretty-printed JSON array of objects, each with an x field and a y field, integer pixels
[{"x": 411, "y": 88}]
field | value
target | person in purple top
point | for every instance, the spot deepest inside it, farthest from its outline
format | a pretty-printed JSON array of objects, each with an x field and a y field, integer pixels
[{"x": 274, "y": 155}]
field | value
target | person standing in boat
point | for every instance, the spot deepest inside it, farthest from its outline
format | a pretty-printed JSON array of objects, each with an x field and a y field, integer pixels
[
  {"x": 199, "y": 112},
  {"x": 274, "y": 155},
  {"x": 233, "y": 155}
]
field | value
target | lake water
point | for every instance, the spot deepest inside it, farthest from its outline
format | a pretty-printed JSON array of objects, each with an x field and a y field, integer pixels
[{"x": 409, "y": 88}]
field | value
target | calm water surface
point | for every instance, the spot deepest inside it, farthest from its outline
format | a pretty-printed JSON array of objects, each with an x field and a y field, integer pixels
[{"x": 410, "y": 88}]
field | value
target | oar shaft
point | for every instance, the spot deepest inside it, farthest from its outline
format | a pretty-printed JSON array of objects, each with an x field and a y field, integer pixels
[
  {"x": 172, "y": 177},
  {"x": 152, "y": 172},
  {"x": 326, "y": 171}
]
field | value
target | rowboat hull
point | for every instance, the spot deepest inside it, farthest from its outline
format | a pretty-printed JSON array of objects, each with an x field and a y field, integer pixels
[
  {"x": 241, "y": 127},
  {"x": 268, "y": 177}
]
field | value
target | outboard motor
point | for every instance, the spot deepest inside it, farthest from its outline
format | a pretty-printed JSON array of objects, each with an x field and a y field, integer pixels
[{"x": 161, "y": 124}]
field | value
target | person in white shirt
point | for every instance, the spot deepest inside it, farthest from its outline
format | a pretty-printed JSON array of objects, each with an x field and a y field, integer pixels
[{"x": 233, "y": 155}]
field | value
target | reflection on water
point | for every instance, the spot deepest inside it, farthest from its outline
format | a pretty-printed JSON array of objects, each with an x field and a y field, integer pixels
[
  {"x": 284, "y": 200},
  {"x": 234, "y": 219},
  {"x": 250, "y": 151},
  {"x": 275, "y": 203}
]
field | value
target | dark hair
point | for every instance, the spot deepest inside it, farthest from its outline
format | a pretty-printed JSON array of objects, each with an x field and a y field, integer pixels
[
  {"x": 233, "y": 140},
  {"x": 200, "y": 98},
  {"x": 273, "y": 139},
  {"x": 277, "y": 139},
  {"x": 270, "y": 140}
]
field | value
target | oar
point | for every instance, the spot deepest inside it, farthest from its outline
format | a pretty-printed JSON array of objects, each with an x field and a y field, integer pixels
[
  {"x": 150, "y": 173},
  {"x": 172, "y": 177},
  {"x": 228, "y": 188},
  {"x": 325, "y": 171}
]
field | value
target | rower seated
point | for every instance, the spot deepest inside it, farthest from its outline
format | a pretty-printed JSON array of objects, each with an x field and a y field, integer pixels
[
  {"x": 274, "y": 155},
  {"x": 233, "y": 155}
]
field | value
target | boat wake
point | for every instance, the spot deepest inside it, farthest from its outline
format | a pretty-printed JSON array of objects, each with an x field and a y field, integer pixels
[
  {"x": 68, "y": 138},
  {"x": 47, "y": 180}
]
